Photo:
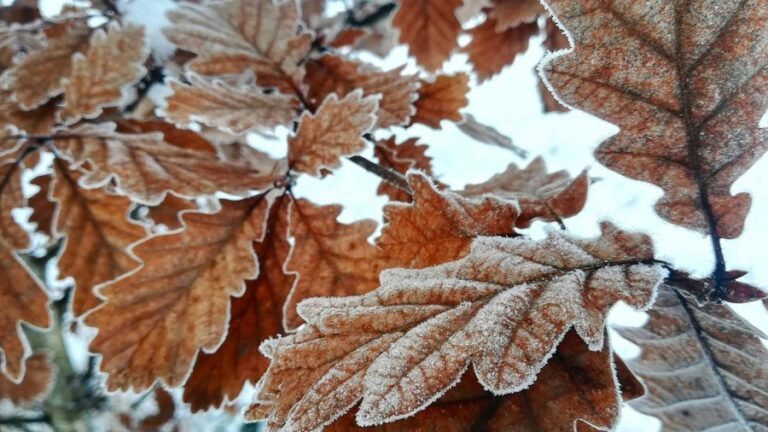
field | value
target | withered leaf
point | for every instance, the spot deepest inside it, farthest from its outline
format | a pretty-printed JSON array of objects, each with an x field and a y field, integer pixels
[
  {"x": 235, "y": 109},
  {"x": 333, "y": 74},
  {"x": 504, "y": 308},
  {"x": 158, "y": 316},
  {"x": 37, "y": 382},
  {"x": 255, "y": 316},
  {"x": 114, "y": 60},
  {"x": 168, "y": 211},
  {"x": 11, "y": 195},
  {"x": 490, "y": 51},
  {"x": 401, "y": 157},
  {"x": 487, "y": 134},
  {"x": 429, "y": 28},
  {"x": 554, "y": 40},
  {"x": 441, "y": 99},
  {"x": 38, "y": 121},
  {"x": 687, "y": 93},
  {"x": 512, "y": 13},
  {"x": 542, "y": 195},
  {"x": 704, "y": 366},
  {"x": 42, "y": 207},
  {"x": 335, "y": 130}
]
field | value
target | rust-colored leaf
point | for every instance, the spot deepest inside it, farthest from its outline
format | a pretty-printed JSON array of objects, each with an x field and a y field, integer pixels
[
  {"x": 335, "y": 130},
  {"x": 11, "y": 196},
  {"x": 441, "y": 99},
  {"x": 38, "y": 121},
  {"x": 429, "y": 28},
  {"x": 168, "y": 212},
  {"x": 333, "y": 74},
  {"x": 512, "y": 13},
  {"x": 98, "y": 79},
  {"x": 157, "y": 317},
  {"x": 42, "y": 207},
  {"x": 37, "y": 382},
  {"x": 542, "y": 195},
  {"x": 687, "y": 93},
  {"x": 504, "y": 308},
  {"x": 401, "y": 157},
  {"x": 734, "y": 291},
  {"x": 490, "y": 51}
]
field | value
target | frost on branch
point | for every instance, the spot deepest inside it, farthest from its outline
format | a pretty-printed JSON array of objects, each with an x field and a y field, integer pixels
[
  {"x": 686, "y": 82},
  {"x": 505, "y": 308},
  {"x": 429, "y": 28},
  {"x": 705, "y": 367}
]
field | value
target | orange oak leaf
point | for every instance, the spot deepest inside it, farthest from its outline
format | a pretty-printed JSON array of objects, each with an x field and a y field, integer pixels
[
  {"x": 38, "y": 121},
  {"x": 512, "y": 13},
  {"x": 704, "y": 366},
  {"x": 99, "y": 77},
  {"x": 542, "y": 195},
  {"x": 97, "y": 231},
  {"x": 441, "y": 99},
  {"x": 429, "y": 28},
  {"x": 158, "y": 316},
  {"x": 328, "y": 258},
  {"x": 440, "y": 226},
  {"x": 348, "y": 36},
  {"x": 504, "y": 308},
  {"x": 335, "y": 130},
  {"x": 333, "y": 74},
  {"x": 235, "y": 109},
  {"x": 230, "y": 38},
  {"x": 171, "y": 134},
  {"x": 12, "y": 194},
  {"x": 37, "y": 382},
  {"x": 168, "y": 212},
  {"x": 576, "y": 387},
  {"x": 146, "y": 167},
  {"x": 401, "y": 157},
  {"x": 255, "y": 317},
  {"x": 490, "y": 51},
  {"x": 554, "y": 40},
  {"x": 42, "y": 207},
  {"x": 687, "y": 94}
]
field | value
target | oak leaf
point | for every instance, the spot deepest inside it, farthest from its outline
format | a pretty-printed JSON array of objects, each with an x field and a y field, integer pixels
[
  {"x": 687, "y": 94},
  {"x": 37, "y": 382},
  {"x": 487, "y": 134},
  {"x": 429, "y": 28},
  {"x": 333, "y": 74},
  {"x": 512, "y": 13},
  {"x": 38, "y": 121},
  {"x": 158, "y": 316},
  {"x": 335, "y": 130},
  {"x": 542, "y": 195},
  {"x": 98, "y": 78},
  {"x": 505, "y": 308},
  {"x": 554, "y": 40},
  {"x": 146, "y": 167},
  {"x": 12, "y": 194},
  {"x": 441, "y": 99},
  {"x": 235, "y": 109},
  {"x": 490, "y": 51},
  {"x": 168, "y": 211},
  {"x": 400, "y": 158},
  {"x": 42, "y": 207},
  {"x": 704, "y": 366}
]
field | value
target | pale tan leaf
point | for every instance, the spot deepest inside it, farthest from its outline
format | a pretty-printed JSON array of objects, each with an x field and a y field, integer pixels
[
  {"x": 512, "y": 13},
  {"x": 233, "y": 109},
  {"x": 333, "y": 74},
  {"x": 490, "y": 51},
  {"x": 429, "y": 28},
  {"x": 37, "y": 382},
  {"x": 160, "y": 315},
  {"x": 487, "y": 134},
  {"x": 441, "y": 99},
  {"x": 542, "y": 195},
  {"x": 704, "y": 366},
  {"x": 335, "y": 130},
  {"x": 146, "y": 167},
  {"x": 99, "y": 77},
  {"x": 400, "y": 158}
]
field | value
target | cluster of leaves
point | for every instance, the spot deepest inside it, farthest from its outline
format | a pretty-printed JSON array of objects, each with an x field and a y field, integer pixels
[{"x": 190, "y": 289}]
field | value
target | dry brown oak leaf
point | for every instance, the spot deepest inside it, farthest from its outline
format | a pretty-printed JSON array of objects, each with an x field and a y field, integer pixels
[
  {"x": 38, "y": 121},
  {"x": 168, "y": 211},
  {"x": 160, "y": 315},
  {"x": 401, "y": 157},
  {"x": 705, "y": 367},
  {"x": 687, "y": 84},
  {"x": 512, "y": 13},
  {"x": 219, "y": 377},
  {"x": 577, "y": 387},
  {"x": 504, "y": 308},
  {"x": 441, "y": 99},
  {"x": 146, "y": 167},
  {"x": 332, "y": 74},
  {"x": 37, "y": 382},
  {"x": 99, "y": 78},
  {"x": 235, "y": 109},
  {"x": 554, "y": 40},
  {"x": 490, "y": 51},
  {"x": 98, "y": 233},
  {"x": 230, "y": 38},
  {"x": 335, "y": 130},
  {"x": 429, "y": 28},
  {"x": 542, "y": 195}
]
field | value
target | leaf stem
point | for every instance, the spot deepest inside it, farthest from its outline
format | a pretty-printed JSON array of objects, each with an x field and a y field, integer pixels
[{"x": 394, "y": 178}]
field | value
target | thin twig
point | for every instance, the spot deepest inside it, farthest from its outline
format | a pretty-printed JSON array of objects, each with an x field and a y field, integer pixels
[{"x": 392, "y": 177}]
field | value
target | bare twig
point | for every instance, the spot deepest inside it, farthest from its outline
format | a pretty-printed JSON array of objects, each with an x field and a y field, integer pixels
[{"x": 392, "y": 177}]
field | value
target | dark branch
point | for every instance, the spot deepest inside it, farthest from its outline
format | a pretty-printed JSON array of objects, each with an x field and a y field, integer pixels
[{"x": 392, "y": 177}]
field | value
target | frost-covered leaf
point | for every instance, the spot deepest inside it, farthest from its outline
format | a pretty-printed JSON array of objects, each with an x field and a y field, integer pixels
[
  {"x": 38, "y": 121},
  {"x": 157, "y": 317},
  {"x": 42, "y": 207},
  {"x": 441, "y": 99},
  {"x": 335, "y": 130},
  {"x": 705, "y": 367},
  {"x": 328, "y": 258},
  {"x": 734, "y": 290},
  {"x": 236, "y": 109},
  {"x": 98, "y": 78},
  {"x": 490, "y": 51},
  {"x": 488, "y": 135},
  {"x": 333, "y": 74},
  {"x": 440, "y": 226},
  {"x": 146, "y": 167},
  {"x": 687, "y": 83},
  {"x": 554, "y": 40},
  {"x": 11, "y": 194},
  {"x": 232, "y": 37},
  {"x": 255, "y": 316},
  {"x": 401, "y": 157},
  {"x": 512, "y": 13},
  {"x": 37, "y": 382},
  {"x": 542, "y": 195},
  {"x": 168, "y": 211},
  {"x": 429, "y": 28},
  {"x": 504, "y": 308}
]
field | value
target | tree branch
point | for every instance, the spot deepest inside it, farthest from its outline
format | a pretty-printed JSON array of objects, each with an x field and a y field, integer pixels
[{"x": 392, "y": 177}]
